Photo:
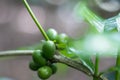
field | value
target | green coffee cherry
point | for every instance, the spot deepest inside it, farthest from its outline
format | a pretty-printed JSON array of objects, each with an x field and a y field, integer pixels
[
  {"x": 33, "y": 66},
  {"x": 62, "y": 38},
  {"x": 44, "y": 72},
  {"x": 52, "y": 34},
  {"x": 48, "y": 49},
  {"x": 38, "y": 59},
  {"x": 54, "y": 68}
]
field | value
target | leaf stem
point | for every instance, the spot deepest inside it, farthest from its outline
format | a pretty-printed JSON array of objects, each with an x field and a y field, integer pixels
[
  {"x": 117, "y": 77},
  {"x": 96, "y": 67},
  {"x": 35, "y": 19}
]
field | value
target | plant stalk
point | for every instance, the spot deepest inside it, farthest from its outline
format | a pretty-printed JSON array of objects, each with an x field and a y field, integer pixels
[
  {"x": 72, "y": 63},
  {"x": 96, "y": 67},
  {"x": 117, "y": 77},
  {"x": 35, "y": 19},
  {"x": 16, "y": 53},
  {"x": 57, "y": 58}
]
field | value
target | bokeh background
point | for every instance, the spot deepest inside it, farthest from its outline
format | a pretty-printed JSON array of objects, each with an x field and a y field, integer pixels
[{"x": 17, "y": 29}]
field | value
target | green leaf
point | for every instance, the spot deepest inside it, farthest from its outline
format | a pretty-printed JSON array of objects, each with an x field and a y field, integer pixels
[
  {"x": 83, "y": 11},
  {"x": 106, "y": 44},
  {"x": 74, "y": 52},
  {"x": 112, "y": 24},
  {"x": 84, "y": 58},
  {"x": 109, "y": 25},
  {"x": 67, "y": 50},
  {"x": 101, "y": 44}
]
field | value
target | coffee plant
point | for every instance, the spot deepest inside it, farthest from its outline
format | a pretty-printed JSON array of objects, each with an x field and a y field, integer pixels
[{"x": 102, "y": 41}]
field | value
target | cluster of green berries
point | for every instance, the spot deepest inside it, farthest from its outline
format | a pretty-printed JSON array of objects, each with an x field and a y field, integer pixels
[
  {"x": 42, "y": 58},
  {"x": 57, "y": 38}
]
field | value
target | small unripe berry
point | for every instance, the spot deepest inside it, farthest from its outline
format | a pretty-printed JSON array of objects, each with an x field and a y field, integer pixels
[
  {"x": 38, "y": 58},
  {"x": 62, "y": 38},
  {"x": 54, "y": 68},
  {"x": 48, "y": 49},
  {"x": 52, "y": 34},
  {"x": 33, "y": 66},
  {"x": 44, "y": 72}
]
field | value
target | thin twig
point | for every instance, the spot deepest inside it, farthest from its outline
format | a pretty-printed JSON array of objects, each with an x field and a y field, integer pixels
[
  {"x": 16, "y": 53},
  {"x": 57, "y": 58},
  {"x": 117, "y": 77},
  {"x": 35, "y": 19},
  {"x": 74, "y": 64},
  {"x": 96, "y": 67}
]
